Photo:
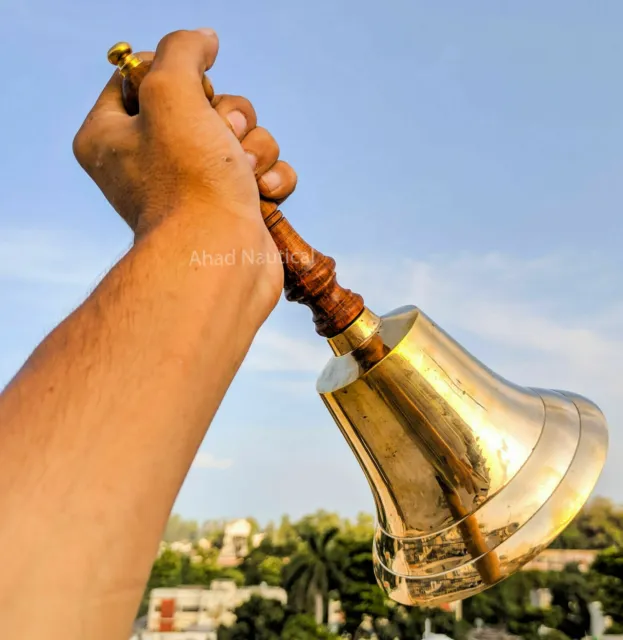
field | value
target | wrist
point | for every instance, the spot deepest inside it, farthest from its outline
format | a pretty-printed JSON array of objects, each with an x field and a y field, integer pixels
[{"x": 231, "y": 246}]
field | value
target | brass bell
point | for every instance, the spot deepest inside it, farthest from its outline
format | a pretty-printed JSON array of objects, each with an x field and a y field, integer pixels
[{"x": 472, "y": 475}]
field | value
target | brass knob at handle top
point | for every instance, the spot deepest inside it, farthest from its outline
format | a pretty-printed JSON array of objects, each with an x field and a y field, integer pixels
[
  {"x": 121, "y": 56},
  {"x": 133, "y": 69}
]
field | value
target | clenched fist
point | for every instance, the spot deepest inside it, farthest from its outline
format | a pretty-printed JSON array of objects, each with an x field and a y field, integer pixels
[{"x": 181, "y": 155}]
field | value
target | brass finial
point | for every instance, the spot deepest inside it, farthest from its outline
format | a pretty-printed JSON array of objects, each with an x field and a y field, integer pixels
[{"x": 122, "y": 57}]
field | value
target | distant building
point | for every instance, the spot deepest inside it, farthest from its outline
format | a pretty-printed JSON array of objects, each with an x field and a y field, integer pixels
[
  {"x": 257, "y": 539},
  {"x": 204, "y": 544},
  {"x": 238, "y": 540},
  {"x": 430, "y": 635},
  {"x": 557, "y": 559},
  {"x": 235, "y": 543},
  {"x": 490, "y": 633},
  {"x": 199, "y": 610},
  {"x": 181, "y": 546},
  {"x": 541, "y": 598}
]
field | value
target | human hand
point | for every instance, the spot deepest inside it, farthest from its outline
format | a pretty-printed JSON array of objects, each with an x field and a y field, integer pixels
[{"x": 181, "y": 155}]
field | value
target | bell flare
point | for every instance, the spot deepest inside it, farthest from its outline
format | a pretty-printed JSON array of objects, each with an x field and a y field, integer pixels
[{"x": 472, "y": 476}]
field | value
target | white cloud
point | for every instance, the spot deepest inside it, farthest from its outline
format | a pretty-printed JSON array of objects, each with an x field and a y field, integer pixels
[
  {"x": 275, "y": 351},
  {"x": 204, "y": 460},
  {"x": 52, "y": 258},
  {"x": 556, "y": 311},
  {"x": 533, "y": 309},
  {"x": 554, "y": 322}
]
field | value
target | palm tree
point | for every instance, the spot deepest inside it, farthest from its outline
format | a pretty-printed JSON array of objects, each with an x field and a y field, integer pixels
[{"x": 313, "y": 573}]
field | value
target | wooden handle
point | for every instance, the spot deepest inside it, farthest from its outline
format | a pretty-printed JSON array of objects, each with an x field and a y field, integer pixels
[{"x": 309, "y": 276}]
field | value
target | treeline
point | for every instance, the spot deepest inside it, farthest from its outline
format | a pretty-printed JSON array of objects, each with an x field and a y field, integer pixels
[
  {"x": 323, "y": 557},
  {"x": 599, "y": 525}
]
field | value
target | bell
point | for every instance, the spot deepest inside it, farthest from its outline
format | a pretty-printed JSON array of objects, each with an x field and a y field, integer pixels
[{"x": 472, "y": 475}]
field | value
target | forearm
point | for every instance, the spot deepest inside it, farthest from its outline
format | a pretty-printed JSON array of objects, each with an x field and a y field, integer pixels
[{"x": 105, "y": 419}]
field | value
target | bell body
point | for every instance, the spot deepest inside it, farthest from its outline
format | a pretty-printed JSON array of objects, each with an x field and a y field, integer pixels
[{"x": 472, "y": 475}]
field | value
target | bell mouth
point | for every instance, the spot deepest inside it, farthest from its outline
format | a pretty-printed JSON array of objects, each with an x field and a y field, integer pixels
[
  {"x": 446, "y": 571},
  {"x": 505, "y": 512}
]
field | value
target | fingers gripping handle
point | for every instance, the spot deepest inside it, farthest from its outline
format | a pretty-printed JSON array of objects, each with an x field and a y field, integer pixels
[
  {"x": 309, "y": 276},
  {"x": 133, "y": 70}
]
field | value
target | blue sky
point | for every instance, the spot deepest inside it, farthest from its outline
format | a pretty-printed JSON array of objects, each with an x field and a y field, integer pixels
[{"x": 463, "y": 157}]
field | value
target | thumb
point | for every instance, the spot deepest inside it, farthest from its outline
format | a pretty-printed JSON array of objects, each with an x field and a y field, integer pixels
[{"x": 178, "y": 68}]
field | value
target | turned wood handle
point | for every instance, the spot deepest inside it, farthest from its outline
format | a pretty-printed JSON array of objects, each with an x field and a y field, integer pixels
[{"x": 309, "y": 276}]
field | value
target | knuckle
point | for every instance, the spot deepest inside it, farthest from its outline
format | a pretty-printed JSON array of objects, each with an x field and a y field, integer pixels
[
  {"x": 244, "y": 103},
  {"x": 174, "y": 38},
  {"x": 291, "y": 176},
  {"x": 156, "y": 84},
  {"x": 269, "y": 142},
  {"x": 240, "y": 103},
  {"x": 249, "y": 109},
  {"x": 261, "y": 142},
  {"x": 289, "y": 179},
  {"x": 82, "y": 147},
  {"x": 145, "y": 56}
]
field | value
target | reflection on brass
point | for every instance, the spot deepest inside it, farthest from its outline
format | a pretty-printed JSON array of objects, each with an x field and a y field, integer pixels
[
  {"x": 472, "y": 475},
  {"x": 122, "y": 57}
]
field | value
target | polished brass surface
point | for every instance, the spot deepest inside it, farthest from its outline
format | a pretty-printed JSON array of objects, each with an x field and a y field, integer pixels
[
  {"x": 122, "y": 57},
  {"x": 355, "y": 335},
  {"x": 472, "y": 475}
]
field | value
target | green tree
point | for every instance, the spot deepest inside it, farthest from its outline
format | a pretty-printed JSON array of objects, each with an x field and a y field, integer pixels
[
  {"x": 269, "y": 547},
  {"x": 361, "y": 529},
  {"x": 554, "y": 634},
  {"x": 230, "y": 573},
  {"x": 599, "y": 525},
  {"x": 179, "y": 529},
  {"x": 271, "y": 568},
  {"x": 258, "y": 567},
  {"x": 608, "y": 574},
  {"x": 255, "y": 525},
  {"x": 409, "y": 622},
  {"x": 200, "y": 567},
  {"x": 572, "y": 591},
  {"x": 359, "y": 593},
  {"x": 214, "y": 532},
  {"x": 508, "y": 604},
  {"x": 320, "y": 521},
  {"x": 528, "y": 622},
  {"x": 312, "y": 573},
  {"x": 302, "y": 626},
  {"x": 283, "y": 541},
  {"x": 256, "y": 619},
  {"x": 165, "y": 572}
]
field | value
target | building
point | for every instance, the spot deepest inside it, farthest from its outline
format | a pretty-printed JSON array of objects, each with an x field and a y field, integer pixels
[
  {"x": 235, "y": 543},
  {"x": 182, "y": 546},
  {"x": 541, "y": 598},
  {"x": 201, "y": 610},
  {"x": 558, "y": 559},
  {"x": 490, "y": 633}
]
